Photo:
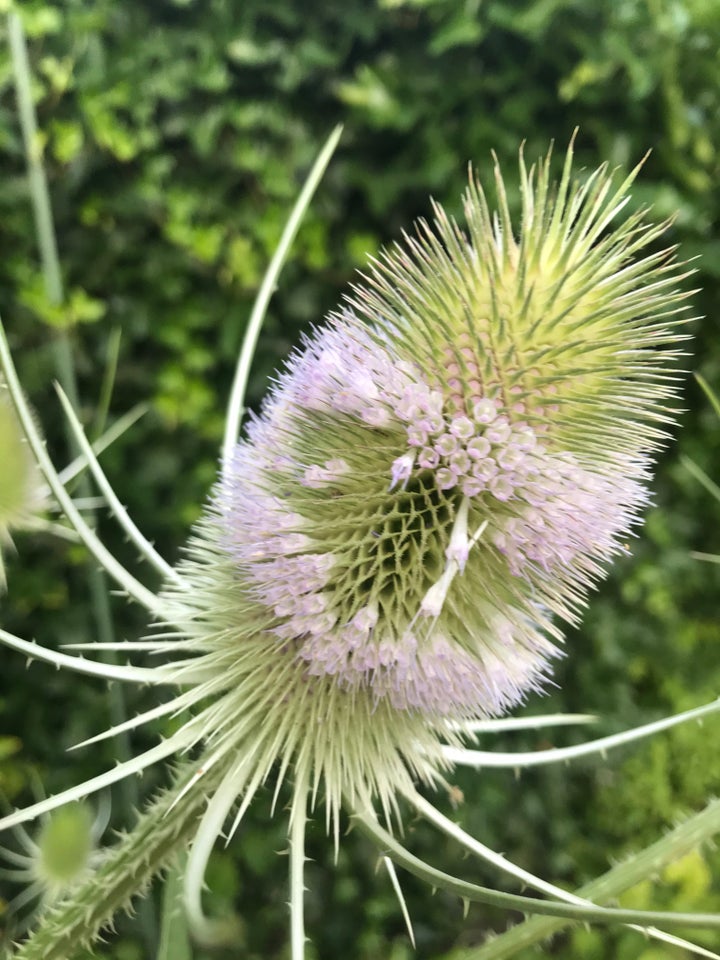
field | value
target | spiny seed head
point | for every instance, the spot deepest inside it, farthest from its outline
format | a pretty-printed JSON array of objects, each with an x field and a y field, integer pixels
[
  {"x": 19, "y": 477},
  {"x": 440, "y": 472},
  {"x": 65, "y": 847},
  {"x": 55, "y": 861}
]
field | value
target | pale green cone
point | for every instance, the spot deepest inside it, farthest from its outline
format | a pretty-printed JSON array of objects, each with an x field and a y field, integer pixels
[{"x": 19, "y": 477}]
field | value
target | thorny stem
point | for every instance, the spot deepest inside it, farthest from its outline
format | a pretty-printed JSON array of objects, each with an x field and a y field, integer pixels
[
  {"x": 69, "y": 927},
  {"x": 298, "y": 822},
  {"x": 451, "y": 829},
  {"x": 569, "y": 911},
  {"x": 680, "y": 841}
]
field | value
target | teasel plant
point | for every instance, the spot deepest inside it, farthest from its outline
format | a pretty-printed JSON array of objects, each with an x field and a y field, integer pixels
[{"x": 435, "y": 482}]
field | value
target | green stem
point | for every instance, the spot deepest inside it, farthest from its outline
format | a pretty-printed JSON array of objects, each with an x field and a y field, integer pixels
[
  {"x": 36, "y": 174},
  {"x": 298, "y": 822},
  {"x": 62, "y": 350},
  {"x": 390, "y": 847},
  {"x": 174, "y": 936},
  {"x": 681, "y": 840},
  {"x": 162, "y": 831}
]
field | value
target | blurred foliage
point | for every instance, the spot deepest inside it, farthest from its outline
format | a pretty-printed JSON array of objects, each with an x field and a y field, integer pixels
[{"x": 176, "y": 134}]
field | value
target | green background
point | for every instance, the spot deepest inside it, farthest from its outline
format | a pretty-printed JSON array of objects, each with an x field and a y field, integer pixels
[{"x": 176, "y": 136}]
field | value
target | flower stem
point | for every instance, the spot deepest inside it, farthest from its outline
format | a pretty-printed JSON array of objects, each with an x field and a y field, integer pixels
[
  {"x": 36, "y": 174},
  {"x": 694, "y": 831},
  {"x": 479, "y": 849},
  {"x": 298, "y": 822},
  {"x": 470, "y": 892},
  {"x": 174, "y": 936}
]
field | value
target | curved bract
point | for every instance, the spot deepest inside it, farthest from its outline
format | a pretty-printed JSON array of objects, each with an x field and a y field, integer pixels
[{"x": 434, "y": 483}]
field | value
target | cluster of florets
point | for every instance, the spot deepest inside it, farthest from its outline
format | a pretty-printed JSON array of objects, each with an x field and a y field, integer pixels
[
  {"x": 307, "y": 529},
  {"x": 476, "y": 452},
  {"x": 428, "y": 670},
  {"x": 561, "y": 509},
  {"x": 570, "y": 515}
]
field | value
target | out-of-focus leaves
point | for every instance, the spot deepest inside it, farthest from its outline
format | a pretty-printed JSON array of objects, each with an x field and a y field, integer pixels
[
  {"x": 79, "y": 306},
  {"x": 9, "y": 746}
]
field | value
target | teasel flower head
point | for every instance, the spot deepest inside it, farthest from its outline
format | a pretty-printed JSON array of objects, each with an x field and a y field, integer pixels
[
  {"x": 443, "y": 470},
  {"x": 19, "y": 479},
  {"x": 436, "y": 480}
]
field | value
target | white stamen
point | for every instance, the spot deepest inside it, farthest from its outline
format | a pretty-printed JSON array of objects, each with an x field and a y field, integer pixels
[
  {"x": 401, "y": 470},
  {"x": 457, "y": 552},
  {"x": 459, "y": 546},
  {"x": 433, "y": 601}
]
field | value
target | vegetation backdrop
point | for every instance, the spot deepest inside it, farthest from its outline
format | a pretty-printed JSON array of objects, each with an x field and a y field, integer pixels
[{"x": 176, "y": 134}]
